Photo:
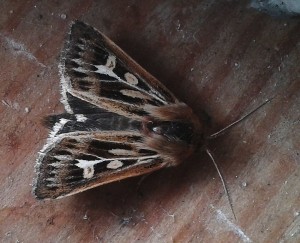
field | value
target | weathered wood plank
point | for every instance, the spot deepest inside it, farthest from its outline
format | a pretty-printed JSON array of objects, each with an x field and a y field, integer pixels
[{"x": 221, "y": 57}]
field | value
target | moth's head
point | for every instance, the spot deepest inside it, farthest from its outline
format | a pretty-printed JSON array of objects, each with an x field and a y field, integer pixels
[{"x": 173, "y": 130}]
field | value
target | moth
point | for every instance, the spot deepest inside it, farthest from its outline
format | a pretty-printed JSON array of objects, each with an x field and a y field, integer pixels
[{"x": 120, "y": 121}]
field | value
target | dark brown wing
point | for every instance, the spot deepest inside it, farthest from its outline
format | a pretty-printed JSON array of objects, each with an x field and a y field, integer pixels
[
  {"x": 96, "y": 70},
  {"x": 75, "y": 161}
]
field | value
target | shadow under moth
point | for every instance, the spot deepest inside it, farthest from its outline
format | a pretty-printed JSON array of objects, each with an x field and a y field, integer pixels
[{"x": 120, "y": 121}]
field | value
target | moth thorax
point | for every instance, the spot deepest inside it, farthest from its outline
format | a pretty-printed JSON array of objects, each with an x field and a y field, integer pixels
[{"x": 172, "y": 130}]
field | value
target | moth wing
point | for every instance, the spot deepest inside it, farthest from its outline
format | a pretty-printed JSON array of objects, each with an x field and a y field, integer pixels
[
  {"x": 76, "y": 161},
  {"x": 96, "y": 70}
]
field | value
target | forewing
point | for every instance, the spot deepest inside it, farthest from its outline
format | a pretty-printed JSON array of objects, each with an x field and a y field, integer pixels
[
  {"x": 76, "y": 161},
  {"x": 96, "y": 70}
]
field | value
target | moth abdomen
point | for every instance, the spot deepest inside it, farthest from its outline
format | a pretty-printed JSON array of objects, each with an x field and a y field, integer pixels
[{"x": 103, "y": 121}]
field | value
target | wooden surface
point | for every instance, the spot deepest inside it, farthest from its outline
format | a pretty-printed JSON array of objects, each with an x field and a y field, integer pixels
[{"x": 220, "y": 57}]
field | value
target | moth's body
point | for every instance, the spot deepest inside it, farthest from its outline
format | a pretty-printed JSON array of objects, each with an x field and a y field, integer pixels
[
  {"x": 174, "y": 131},
  {"x": 120, "y": 121}
]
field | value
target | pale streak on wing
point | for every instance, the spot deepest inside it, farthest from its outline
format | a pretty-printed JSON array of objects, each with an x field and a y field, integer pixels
[
  {"x": 105, "y": 70},
  {"x": 140, "y": 160}
]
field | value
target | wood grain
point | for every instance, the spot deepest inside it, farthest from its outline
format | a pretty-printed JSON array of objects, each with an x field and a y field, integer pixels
[{"x": 220, "y": 57}]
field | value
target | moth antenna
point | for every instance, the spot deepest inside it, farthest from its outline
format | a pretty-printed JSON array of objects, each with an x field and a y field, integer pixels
[
  {"x": 222, "y": 180},
  {"x": 218, "y": 133}
]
